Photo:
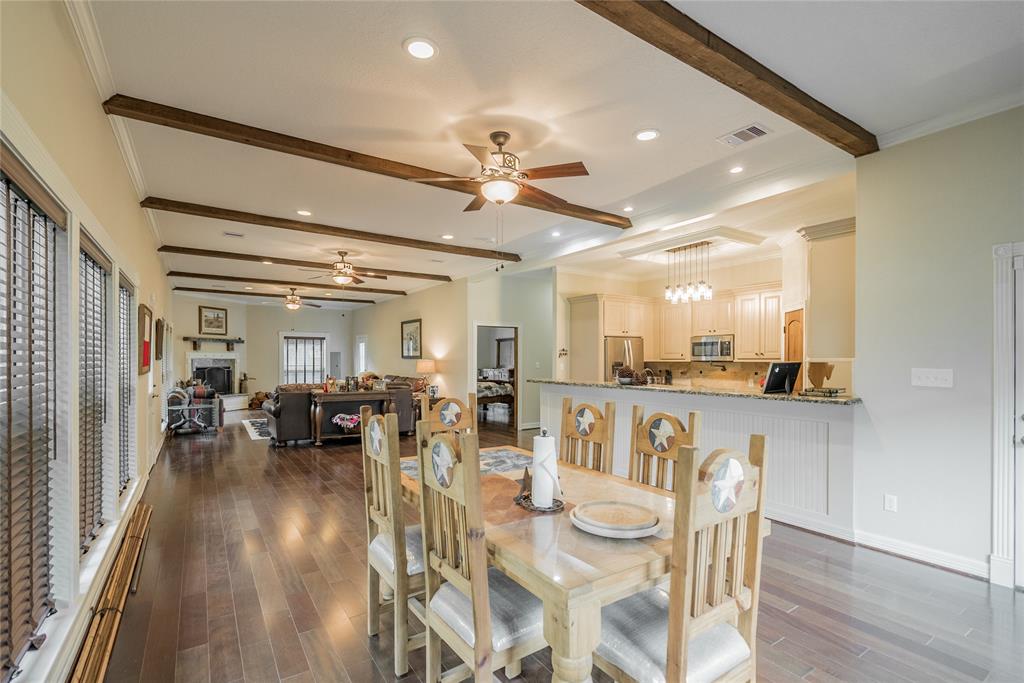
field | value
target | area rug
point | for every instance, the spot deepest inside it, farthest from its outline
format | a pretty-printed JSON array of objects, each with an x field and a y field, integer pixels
[{"x": 257, "y": 429}]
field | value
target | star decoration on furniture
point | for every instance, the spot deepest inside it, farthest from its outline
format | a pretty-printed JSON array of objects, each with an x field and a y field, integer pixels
[
  {"x": 584, "y": 422},
  {"x": 443, "y": 461},
  {"x": 726, "y": 485},
  {"x": 450, "y": 414},
  {"x": 376, "y": 437},
  {"x": 661, "y": 435}
]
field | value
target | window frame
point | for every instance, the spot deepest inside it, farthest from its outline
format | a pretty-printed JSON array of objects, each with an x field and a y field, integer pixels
[{"x": 282, "y": 357}]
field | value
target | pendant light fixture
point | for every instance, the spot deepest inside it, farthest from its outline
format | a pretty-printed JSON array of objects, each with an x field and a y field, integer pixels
[{"x": 692, "y": 264}]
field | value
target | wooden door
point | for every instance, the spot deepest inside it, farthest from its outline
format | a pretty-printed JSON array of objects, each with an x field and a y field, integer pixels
[
  {"x": 771, "y": 325},
  {"x": 722, "y": 318},
  {"x": 795, "y": 343},
  {"x": 675, "y": 331},
  {"x": 748, "y": 327},
  {"x": 614, "y": 318},
  {"x": 703, "y": 318}
]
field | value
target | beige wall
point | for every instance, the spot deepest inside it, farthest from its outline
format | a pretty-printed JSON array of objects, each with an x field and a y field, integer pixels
[
  {"x": 726, "y": 277},
  {"x": 831, "y": 276},
  {"x": 264, "y": 325},
  {"x": 928, "y": 214},
  {"x": 185, "y": 319},
  {"x": 443, "y": 311}
]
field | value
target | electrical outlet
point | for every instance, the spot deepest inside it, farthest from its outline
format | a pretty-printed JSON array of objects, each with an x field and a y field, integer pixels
[
  {"x": 890, "y": 503},
  {"x": 931, "y": 377}
]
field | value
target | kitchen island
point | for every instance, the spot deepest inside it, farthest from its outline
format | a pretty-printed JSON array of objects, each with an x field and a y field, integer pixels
[{"x": 809, "y": 439}]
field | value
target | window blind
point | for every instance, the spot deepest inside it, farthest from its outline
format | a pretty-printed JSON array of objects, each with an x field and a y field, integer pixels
[
  {"x": 124, "y": 385},
  {"x": 92, "y": 361},
  {"x": 27, "y": 418},
  {"x": 304, "y": 360}
]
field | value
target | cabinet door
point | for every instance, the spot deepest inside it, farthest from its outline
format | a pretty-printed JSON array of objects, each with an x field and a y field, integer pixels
[
  {"x": 722, "y": 317},
  {"x": 703, "y": 319},
  {"x": 748, "y": 327},
  {"x": 638, "y": 320},
  {"x": 771, "y": 326},
  {"x": 614, "y": 318},
  {"x": 675, "y": 331}
]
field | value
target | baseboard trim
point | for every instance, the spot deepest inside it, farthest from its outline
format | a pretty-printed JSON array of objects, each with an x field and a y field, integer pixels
[
  {"x": 802, "y": 522},
  {"x": 920, "y": 553},
  {"x": 1001, "y": 571},
  {"x": 528, "y": 425}
]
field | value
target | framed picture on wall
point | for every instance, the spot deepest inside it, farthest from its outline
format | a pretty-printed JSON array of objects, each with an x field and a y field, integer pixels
[
  {"x": 412, "y": 338},
  {"x": 213, "y": 320},
  {"x": 145, "y": 339},
  {"x": 158, "y": 340}
]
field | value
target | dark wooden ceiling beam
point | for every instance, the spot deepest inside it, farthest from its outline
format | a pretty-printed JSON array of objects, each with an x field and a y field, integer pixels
[
  {"x": 362, "y": 271},
  {"x": 283, "y": 283},
  {"x": 666, "y": 28},
  {"x": 182, "y": 119},
  {"x": 190, "y": 209},
  {"x": 275, "y": 295}
]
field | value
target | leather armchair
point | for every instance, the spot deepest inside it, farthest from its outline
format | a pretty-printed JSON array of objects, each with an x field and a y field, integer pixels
[{"x": 288, "y": 416}]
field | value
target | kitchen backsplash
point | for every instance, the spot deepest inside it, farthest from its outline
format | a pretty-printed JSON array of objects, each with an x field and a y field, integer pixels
[{"x": 733, "y": 376}]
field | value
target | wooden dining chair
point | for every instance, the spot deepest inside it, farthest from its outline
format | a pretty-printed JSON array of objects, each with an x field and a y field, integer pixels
[
  {"x": 389, "y": 537},
  {"x": 450, "y": 414},
  {"x": 704, "y": 629},
  {"x": 654, "y": 445},
  {"x": 588, "y": 435},
  {"x": 485, "y": 617}
]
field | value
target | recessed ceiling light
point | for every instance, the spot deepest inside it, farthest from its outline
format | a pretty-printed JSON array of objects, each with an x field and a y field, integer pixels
[
  {"x": 628, "y": 209},
  {"x": 647, "y": 134},
  {"x": 447, "y": 237},
  {"x": 248, "y": 287},
  {"x": 555, "y": 233},
  {"x": 303, "y": 212},
  {"x": 267, "y": 263},
  {"x": 328, "y": 294},
  {"x": 420, "y": 48},
  {"x": 736, "y": 169}
]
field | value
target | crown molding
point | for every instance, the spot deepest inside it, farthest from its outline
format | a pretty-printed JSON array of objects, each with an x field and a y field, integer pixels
[
  {"x": 88, "y": 34},
  {"x": 722, "y": 232},
  {"x": 940, "y": 123},
  {"x": 843, "y": 226}
]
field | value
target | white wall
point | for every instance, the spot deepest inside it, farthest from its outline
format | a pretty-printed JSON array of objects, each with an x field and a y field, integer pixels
[
  {"x": 264, "y": 325},
  {"x": 443, "y": 312},
  {"x": 830, "y": 315},
  {"x": 928, "y": 214}
]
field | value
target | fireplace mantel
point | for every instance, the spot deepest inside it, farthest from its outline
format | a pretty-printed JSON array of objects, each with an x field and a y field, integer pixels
[{"x": 197, "y": 342}]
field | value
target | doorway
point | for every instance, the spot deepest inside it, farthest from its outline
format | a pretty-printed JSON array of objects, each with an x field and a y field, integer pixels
[
  {"x": 497, "y": 377},
  {"x": 794, "y": 331}
]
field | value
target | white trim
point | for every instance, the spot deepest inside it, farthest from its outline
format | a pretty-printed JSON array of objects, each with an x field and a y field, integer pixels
[
  {"x": 722, "y": 232},
  {"x": 939, "y": 123},
  {"x": 922, "y": 553},
  {"x": 1003, "y": 469},
  {"x": 831, "y": 229}
]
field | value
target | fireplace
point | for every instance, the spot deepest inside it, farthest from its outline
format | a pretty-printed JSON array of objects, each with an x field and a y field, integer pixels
[{"x": 220, "y": 377}]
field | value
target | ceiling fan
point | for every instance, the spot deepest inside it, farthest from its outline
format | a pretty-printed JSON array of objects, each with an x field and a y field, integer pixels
[
  {"x": 294, "y": 302},
  {"x": 342, "y": 272},
  {"x": 502, "y": 180}
]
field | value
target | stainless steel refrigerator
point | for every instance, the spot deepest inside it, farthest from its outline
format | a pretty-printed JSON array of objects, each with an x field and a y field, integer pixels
[{"x": 622, "y": 352}]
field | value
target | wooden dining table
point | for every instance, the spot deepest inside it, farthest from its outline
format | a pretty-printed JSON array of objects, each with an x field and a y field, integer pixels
[{"x": 573, "y": 572}]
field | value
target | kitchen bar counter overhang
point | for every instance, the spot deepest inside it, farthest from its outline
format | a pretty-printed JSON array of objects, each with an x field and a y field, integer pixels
[{"x": 809, "y": 440}]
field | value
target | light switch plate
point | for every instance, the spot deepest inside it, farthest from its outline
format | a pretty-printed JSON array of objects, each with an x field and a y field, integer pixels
[
  {"x": 890, "y": 503},
  {"x": 931, "y": 377}
]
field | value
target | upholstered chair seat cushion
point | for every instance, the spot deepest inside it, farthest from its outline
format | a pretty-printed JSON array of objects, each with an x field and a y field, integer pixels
[
  {"x": 634, "y": 638},
  {"x": 517, "y": 615},
  {"x": 381, "y": 552}
]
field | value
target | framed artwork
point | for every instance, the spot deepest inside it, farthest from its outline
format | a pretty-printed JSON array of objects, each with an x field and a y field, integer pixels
[
  {"x": 158, "y": 339},
  {"x": 213, "y": 320},
  {"x": 412, "y": 338},
  {"x": 145, "y": 339}
]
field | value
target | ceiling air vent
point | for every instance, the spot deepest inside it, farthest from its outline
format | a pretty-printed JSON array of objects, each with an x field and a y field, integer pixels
[
  {"x": 746, "y": 134},
  {"x": 233, "y": 234}
]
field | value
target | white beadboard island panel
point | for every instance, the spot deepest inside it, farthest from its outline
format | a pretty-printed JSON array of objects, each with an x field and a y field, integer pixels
[{"x": 809, "y": 443}]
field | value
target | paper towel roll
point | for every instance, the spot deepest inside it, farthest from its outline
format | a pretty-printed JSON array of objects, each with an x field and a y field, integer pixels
[{"x": 545, "y": 471}]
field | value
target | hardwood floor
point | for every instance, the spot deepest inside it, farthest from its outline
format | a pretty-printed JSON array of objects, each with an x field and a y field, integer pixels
[{"x": 255, "y": 571}]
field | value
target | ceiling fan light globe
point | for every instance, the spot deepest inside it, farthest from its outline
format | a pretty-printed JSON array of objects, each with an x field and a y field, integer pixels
[
  {"x": 292, "y": 306},
  {"x": 500, "y": 190},
  {"x": 342, "y": 279}
]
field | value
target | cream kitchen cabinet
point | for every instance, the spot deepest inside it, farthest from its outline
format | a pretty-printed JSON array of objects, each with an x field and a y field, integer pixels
[
  {"x": 759, "y": 325},
  {"x": 674, "y": 333},
  {"x": 626, "y": 317},
  {"x": 592, "y": 317},
  {"x": 713, "y": 317}
]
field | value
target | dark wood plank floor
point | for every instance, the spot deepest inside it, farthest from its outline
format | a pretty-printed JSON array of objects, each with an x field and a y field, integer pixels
[{"x": 256, "y": 571}]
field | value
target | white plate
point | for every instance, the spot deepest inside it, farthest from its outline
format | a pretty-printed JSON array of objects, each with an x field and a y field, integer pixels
[{"x": 611, "y": 533}]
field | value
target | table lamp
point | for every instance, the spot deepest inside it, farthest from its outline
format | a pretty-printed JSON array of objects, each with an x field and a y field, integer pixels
[{"x": 426, "y": 367}]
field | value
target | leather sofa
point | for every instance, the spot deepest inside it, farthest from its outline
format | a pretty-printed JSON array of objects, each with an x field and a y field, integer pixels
[{"x": 289, "y": 406}]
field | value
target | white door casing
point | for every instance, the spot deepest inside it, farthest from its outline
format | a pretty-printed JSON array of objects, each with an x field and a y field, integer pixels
[{"x": 1018, "y": 412}]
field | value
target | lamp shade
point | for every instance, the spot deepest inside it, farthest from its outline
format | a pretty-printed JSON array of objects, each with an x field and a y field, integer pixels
[
  {"x": 426, "y": 366},
  {"x": 500, "y": 190}
]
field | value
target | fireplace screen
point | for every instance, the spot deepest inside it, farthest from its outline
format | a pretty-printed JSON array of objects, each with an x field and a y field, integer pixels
[{"x": 217, "y": 376}]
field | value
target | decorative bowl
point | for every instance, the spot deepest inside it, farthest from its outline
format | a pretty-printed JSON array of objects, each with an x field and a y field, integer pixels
[{"x": 625, "y": 380}]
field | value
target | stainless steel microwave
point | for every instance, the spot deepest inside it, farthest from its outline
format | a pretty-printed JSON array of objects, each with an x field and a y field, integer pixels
[{"x": 713, "y": 347}]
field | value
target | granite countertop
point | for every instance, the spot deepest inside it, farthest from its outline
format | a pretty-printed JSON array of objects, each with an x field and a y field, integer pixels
[{"x": 703, "y": 391}]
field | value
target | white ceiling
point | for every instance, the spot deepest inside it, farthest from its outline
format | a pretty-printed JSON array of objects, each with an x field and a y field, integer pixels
[
  {"x": 899, "y": 69},
  {"x": 566, "y": 83}
]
